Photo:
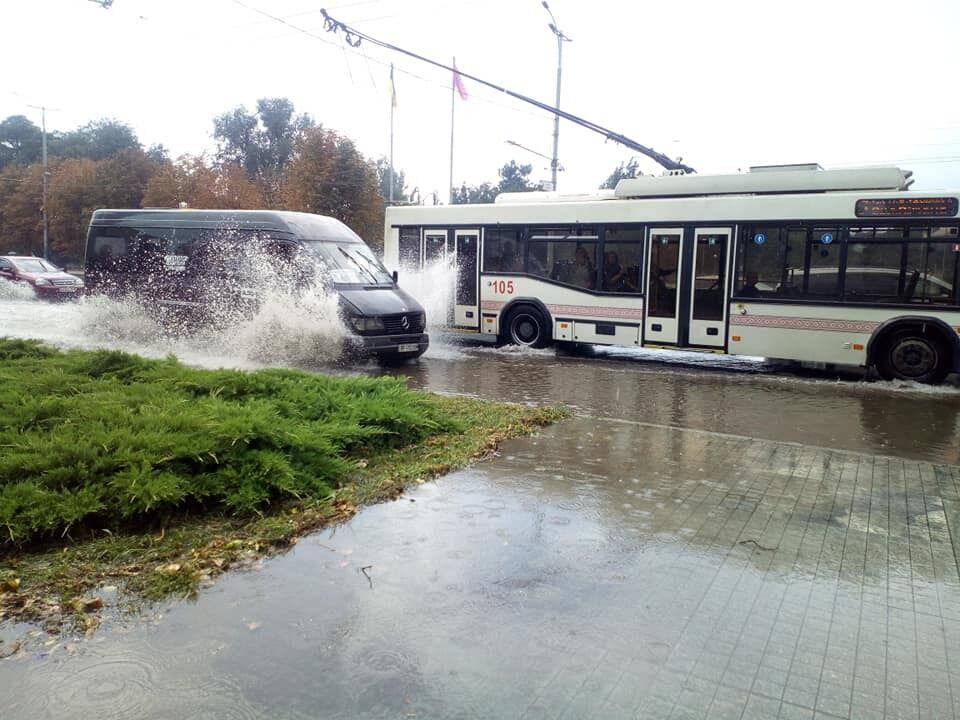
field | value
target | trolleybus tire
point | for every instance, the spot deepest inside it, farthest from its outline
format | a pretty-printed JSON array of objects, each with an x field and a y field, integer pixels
[
  {"x": 527, "y": 326},
  {"x": 912, "y": 355}
]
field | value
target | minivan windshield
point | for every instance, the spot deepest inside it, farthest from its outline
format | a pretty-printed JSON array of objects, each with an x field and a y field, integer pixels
[{"x": 350, "y": 263}]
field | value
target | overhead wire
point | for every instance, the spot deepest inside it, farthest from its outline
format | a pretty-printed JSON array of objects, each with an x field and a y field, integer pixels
[{"x": 353, "y": 39}]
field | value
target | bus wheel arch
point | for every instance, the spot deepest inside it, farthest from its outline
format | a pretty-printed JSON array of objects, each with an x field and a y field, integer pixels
[
  {"x": 920, "y": 349},
  {"x": 526, "y": 323}
]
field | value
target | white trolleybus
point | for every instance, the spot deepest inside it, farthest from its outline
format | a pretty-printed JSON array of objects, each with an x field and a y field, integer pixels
[{"x": 829, "y": 267}]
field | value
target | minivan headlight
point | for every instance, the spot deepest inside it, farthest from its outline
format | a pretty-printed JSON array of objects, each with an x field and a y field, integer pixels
[{"x": 367, "y": 324}]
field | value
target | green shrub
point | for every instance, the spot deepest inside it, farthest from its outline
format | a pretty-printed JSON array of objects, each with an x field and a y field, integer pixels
[{"x": 102, "y": 439}]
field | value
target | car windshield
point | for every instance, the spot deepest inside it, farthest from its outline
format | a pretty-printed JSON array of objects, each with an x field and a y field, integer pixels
[
  {"x": 350, "y": 263},
  {"x": 36, "y": 265}
]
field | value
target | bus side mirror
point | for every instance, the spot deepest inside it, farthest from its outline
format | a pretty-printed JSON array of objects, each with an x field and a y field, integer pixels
[{"x": 395, "y": 276}]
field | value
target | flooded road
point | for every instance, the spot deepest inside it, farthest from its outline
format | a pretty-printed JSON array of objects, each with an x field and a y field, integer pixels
[
  {"x": 736, "y": 396},
  {"x": 705, "y": 538}
]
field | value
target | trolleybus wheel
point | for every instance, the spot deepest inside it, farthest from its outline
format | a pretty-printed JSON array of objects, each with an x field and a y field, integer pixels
[
  {"x": 527, "y": 326},
  {"x": 911, "y": 355}
]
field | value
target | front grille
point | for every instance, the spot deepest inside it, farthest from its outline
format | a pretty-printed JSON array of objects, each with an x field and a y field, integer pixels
[
  {"x": 393, "y": 324},
  {"x": 62, "y": 281}
]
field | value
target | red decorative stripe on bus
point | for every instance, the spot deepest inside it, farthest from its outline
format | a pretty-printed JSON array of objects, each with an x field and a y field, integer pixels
[
  {"x": 585, "y": 311},
  {"x": 577, "y": 310},
  {"x": 804, "y": 323}
]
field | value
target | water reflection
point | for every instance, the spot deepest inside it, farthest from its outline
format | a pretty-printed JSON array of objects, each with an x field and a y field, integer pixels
[
  {"x": 596, "y": 563},
  {"x": 887, "y": 418}
]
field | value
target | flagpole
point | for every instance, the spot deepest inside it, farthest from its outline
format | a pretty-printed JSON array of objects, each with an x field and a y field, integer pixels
[
  {"x": 453, "y": 104},
  {"x": 393, "y": 106}
]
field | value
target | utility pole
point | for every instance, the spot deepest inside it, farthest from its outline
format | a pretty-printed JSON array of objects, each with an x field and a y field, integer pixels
[
  {"x": 561, "y": 38},
  {"x": 46, "y": 224}
]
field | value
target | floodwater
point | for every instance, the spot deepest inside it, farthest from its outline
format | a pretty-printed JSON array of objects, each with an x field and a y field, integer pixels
[{"x": 705, "y": 538}]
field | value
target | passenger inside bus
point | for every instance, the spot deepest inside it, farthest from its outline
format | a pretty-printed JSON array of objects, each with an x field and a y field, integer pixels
[
  {"x": 510, "y": 260},
  {"x": 616, "y": 278},
  {"x": 749, "y": 289},
  {"x": 584, "y": 274}
]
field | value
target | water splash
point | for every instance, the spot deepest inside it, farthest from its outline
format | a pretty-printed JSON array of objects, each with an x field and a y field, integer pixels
[
  {"x": 286, "y": 324},
  {"x": 15, "y": 291},
  {"x": 433, "y": 286}
]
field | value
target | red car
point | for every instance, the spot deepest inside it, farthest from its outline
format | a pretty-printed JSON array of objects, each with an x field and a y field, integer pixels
[{"x": 46, "y": 279}]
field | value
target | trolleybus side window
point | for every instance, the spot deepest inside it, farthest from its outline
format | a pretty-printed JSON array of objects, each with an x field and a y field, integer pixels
[
  {"x": 622, "y": 260},
  {"x": 933, "y": 267},
  {"x": 503, "y": 250},
  {"x": 874, "y": 270},
  {"x": 570, "y": 261},
  {"x": 823, "y": 268},
  {"x": 770, "y": 261},
  {"x": 564, "y": 253}
]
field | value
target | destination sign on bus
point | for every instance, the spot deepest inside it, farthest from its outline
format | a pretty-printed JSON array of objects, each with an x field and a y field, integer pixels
[{"x": 907, "y": 207}]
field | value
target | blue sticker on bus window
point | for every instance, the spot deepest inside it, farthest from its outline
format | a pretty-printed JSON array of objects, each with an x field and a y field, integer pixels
[
  {"x": 759, "y": 238},
  {"x": 826, "y": 239}
]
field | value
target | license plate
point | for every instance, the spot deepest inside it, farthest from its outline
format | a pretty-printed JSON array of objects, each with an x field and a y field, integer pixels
[
  {"x": 66, "y": 289},
  {"x": 408, "y": 347}
]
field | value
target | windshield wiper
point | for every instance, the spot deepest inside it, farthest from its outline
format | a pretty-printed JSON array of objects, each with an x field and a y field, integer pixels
[{"x": 359, "y": 266}]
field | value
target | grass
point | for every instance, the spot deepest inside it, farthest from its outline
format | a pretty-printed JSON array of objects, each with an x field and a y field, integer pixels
[{"x": 146, "y": 474}]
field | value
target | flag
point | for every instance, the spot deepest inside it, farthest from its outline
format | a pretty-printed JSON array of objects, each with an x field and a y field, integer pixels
[
  {"x": 458, "y": 83},
  {"x": 393, "y": 89}
]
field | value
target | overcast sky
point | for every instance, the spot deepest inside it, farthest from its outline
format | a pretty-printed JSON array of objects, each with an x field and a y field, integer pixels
[{"x": 725, "y": 85}]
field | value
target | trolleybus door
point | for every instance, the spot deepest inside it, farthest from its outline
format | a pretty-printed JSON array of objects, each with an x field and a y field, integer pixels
[
  {"x": 708, "y": 288},
  {"x": 664, "y": 266},
  {"x": 466, "y": 311}
]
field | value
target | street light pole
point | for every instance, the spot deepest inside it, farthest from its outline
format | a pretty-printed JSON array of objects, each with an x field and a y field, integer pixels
[
  {"x": 561, "y": 38},
  {"x": 46, "y": 224}
]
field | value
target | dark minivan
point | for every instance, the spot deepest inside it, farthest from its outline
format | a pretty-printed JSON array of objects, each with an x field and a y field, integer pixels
[{"x": 210, "y": 266}]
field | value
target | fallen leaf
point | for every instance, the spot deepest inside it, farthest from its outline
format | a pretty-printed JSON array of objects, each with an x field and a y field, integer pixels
[
  {"x": 9, "y": 584},
  {"x": 8, "y": 650}
]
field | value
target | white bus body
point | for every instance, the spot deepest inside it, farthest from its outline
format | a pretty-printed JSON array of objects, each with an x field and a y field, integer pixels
[{"x": 840, "y": 267}]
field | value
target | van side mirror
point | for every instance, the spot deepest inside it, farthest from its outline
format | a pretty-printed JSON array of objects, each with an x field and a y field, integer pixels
[{"x": 395, "y": 276}]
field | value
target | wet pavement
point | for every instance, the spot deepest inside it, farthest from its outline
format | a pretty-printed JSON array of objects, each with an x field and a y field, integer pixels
[{"x": 703, "y": 539}]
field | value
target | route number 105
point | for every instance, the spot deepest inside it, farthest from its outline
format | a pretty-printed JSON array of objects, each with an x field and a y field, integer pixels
[{"x": 504, "y": 287}]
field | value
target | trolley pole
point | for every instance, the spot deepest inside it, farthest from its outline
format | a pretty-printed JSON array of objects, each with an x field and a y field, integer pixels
[{"x": 561, "y": 38}]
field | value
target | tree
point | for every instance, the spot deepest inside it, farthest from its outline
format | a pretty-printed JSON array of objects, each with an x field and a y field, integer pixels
[
  {"x": 624, "y": 170},
  {"x": 482, "y": 193},
  {"x": 513, "y": 178},
  {"x": 20, "y": 141},
  {"x": 21, "y": 201},
  {"x": 78, "y": 186},
  {"x": 328, "y": 176},
  {"x": 158, "y": 154},
  {"x": 280, "y": 131},
  {"x": 96, "y": 140},
  {"x": 235, "y": 132},
  {"x": 262, "y": 143},
  {"x": 196, "y": 183},
  {"x": 72, "y": 197},
  {"x": 382, "y": 167}
]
